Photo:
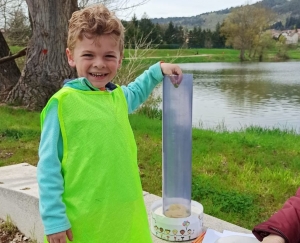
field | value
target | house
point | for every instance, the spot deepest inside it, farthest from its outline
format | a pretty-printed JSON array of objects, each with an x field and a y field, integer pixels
[{"x": 292, "y": 36}]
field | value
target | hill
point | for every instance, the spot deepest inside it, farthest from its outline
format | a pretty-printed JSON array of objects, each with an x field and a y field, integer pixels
[{"x": 284, "y": 9}]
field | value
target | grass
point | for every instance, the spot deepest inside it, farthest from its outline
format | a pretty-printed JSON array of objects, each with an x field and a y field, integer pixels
[
  {"x": 9, "y": 230},
  {"x": 206, "y": 55},
  {"x": 19, "y": 136},
  {"x": 245, "y": 176},
  {"x": 242, "y": 177},
  {"x": 184, "y": 55},
  {"x": 8, "y": 226},
  {"x": 294, "y": 54},
  {"x": 21, "y": 60}
]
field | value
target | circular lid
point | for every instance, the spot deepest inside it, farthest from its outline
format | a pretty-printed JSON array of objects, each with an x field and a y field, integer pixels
[{"x": 237, "y": 239}]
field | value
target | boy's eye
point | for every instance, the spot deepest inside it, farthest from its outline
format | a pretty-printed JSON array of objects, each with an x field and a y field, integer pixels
[
  {"x": 87, "y": 55},
  {"x": 110, "y": 56}
]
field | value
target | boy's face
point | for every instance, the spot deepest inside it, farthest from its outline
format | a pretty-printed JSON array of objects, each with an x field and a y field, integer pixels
[{"x": 96, "y": 59}]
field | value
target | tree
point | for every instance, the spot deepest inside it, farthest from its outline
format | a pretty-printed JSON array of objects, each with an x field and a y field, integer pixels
[
  {"x": 19, "y": 30},
  {"x": 7, "y": 8},
  {"x": 192, "y": 42},
  {"x": 264, "y": 42},
  {"x": 208, "y": 38},
  {"x": 179, "y": 35},
  {"x": 281, "y": 47},
  {"x": 217, "y": 39},
  {"x": 170, "y": 33},
  {"x": 147, "y": 30},
  {"x": 197, "y": 38},
  {"x": 158, "y": 31},
  {"x": 243, "y": 25},
  {"x": 277, "y": 26},
  {"x": 9, "y": 71},
  {"x": 46, "y": 64}
]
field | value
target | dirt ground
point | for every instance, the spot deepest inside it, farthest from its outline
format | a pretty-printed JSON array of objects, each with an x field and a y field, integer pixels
[{"x": 10, "y": 234}]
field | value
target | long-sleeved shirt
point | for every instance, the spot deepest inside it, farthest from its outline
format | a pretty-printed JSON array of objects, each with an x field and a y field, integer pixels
[
  {"x": 285, "y": 222},
  {"x": 49, "y": 176}
]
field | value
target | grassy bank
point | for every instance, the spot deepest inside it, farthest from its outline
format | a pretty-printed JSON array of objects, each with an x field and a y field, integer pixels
[
  {"x": 206, "y": 55},
  {"x": 185, "y": 55},
  {"x": 242, "y": 177}
]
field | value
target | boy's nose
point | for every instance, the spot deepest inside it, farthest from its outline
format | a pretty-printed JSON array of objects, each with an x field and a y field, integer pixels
[{"x": 99, "y": 63}]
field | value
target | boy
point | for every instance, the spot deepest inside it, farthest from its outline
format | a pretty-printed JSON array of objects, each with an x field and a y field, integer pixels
[{"x": 89, "y": 185}]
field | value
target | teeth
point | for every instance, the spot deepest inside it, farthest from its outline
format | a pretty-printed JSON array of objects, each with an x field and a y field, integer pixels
[{"x": 97, "y": 74}]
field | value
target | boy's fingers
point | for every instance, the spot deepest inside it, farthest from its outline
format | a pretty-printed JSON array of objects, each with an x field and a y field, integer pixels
[
  {"x": 170, "y": 69},
  {"x": 177, "y": 70},
  {"x": 59, "y": 240},
  {"x": 60, "y": 237},
  {"x": 69, "y": 234},
  {"x": 176, "y": 79}
]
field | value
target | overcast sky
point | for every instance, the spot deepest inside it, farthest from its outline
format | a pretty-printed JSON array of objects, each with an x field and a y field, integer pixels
[{"x": 183, "y": 8}]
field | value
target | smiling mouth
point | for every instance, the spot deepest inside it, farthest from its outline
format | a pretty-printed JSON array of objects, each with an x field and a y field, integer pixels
[{"x": 98, "y": 74}]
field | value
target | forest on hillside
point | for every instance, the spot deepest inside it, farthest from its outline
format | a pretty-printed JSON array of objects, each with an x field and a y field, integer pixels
[{"x": 284, "y": 9}]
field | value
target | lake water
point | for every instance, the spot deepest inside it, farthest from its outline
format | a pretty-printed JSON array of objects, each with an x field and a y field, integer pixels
[{"x": 235, "y": 95}]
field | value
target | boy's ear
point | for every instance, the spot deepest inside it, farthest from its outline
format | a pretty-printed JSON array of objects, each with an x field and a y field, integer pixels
[{"x": 70, "y": 58}]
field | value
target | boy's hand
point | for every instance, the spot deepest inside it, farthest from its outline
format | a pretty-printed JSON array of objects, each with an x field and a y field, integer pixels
[
  {"x": 273, "y": 239},
  {"x": 60, "y": 237},
  {"x": 170, "y": 69}
]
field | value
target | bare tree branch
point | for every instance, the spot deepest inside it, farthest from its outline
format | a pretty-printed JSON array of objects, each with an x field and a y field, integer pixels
[
  {"x": 7, "y": 7},
  {"x": 12, "y": 57},
  {"x": 114, "y": 5}
]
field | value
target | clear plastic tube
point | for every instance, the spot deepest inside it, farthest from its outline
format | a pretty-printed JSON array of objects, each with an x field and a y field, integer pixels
[{"x": 177, "y": 145}]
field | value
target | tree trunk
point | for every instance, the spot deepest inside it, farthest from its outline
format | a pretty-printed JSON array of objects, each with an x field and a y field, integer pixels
[
  {"x": 9, "y": 71},
  {"x": 46, "y": 63},
  {"x": 242, "y": 55}
]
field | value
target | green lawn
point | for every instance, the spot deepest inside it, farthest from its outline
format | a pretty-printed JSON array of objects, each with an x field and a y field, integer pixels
[{"x": 184, "y": 55}]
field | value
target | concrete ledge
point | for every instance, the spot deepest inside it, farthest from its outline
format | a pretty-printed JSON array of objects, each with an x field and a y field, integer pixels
[{"x": 19, "y": 200}]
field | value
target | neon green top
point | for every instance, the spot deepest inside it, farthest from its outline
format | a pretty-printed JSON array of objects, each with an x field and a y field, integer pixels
[{"x": 103, "y": 193}]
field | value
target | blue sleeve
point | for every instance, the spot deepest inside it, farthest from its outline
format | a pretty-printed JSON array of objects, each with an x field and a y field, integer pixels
[
  {"x": 49, "y": 176},
  {"x": 138, "y": 91}
]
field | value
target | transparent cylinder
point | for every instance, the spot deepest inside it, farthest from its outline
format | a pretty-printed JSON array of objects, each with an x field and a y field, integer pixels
[{"x": 177, "y": 145}]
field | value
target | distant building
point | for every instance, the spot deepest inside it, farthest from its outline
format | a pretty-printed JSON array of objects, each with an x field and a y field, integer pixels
[{"x": 292, "y": 36}]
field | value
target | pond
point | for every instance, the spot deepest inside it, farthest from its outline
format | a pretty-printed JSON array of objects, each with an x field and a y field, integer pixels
[{"x": 236, "y": 95}]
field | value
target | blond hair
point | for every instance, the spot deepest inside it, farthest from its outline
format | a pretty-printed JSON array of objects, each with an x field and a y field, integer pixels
[{"x": 94, "y": 21}]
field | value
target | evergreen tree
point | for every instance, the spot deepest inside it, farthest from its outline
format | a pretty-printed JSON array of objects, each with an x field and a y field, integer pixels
[
  {"x": 218, "y": 41},
  {"x": 208, "y": 39},
  {"x": 147, "y": 29},
  {"x": 192, "y": 43},
  {"x": 169, "y": 35},
  {"x": 178, "y": 35}
]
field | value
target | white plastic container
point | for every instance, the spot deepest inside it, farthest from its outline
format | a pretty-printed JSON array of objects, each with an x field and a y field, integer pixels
[{"x": 177, "y": 229}]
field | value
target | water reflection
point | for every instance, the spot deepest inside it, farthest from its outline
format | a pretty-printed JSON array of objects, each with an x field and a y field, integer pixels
[{"x": 238, "y": 95}]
